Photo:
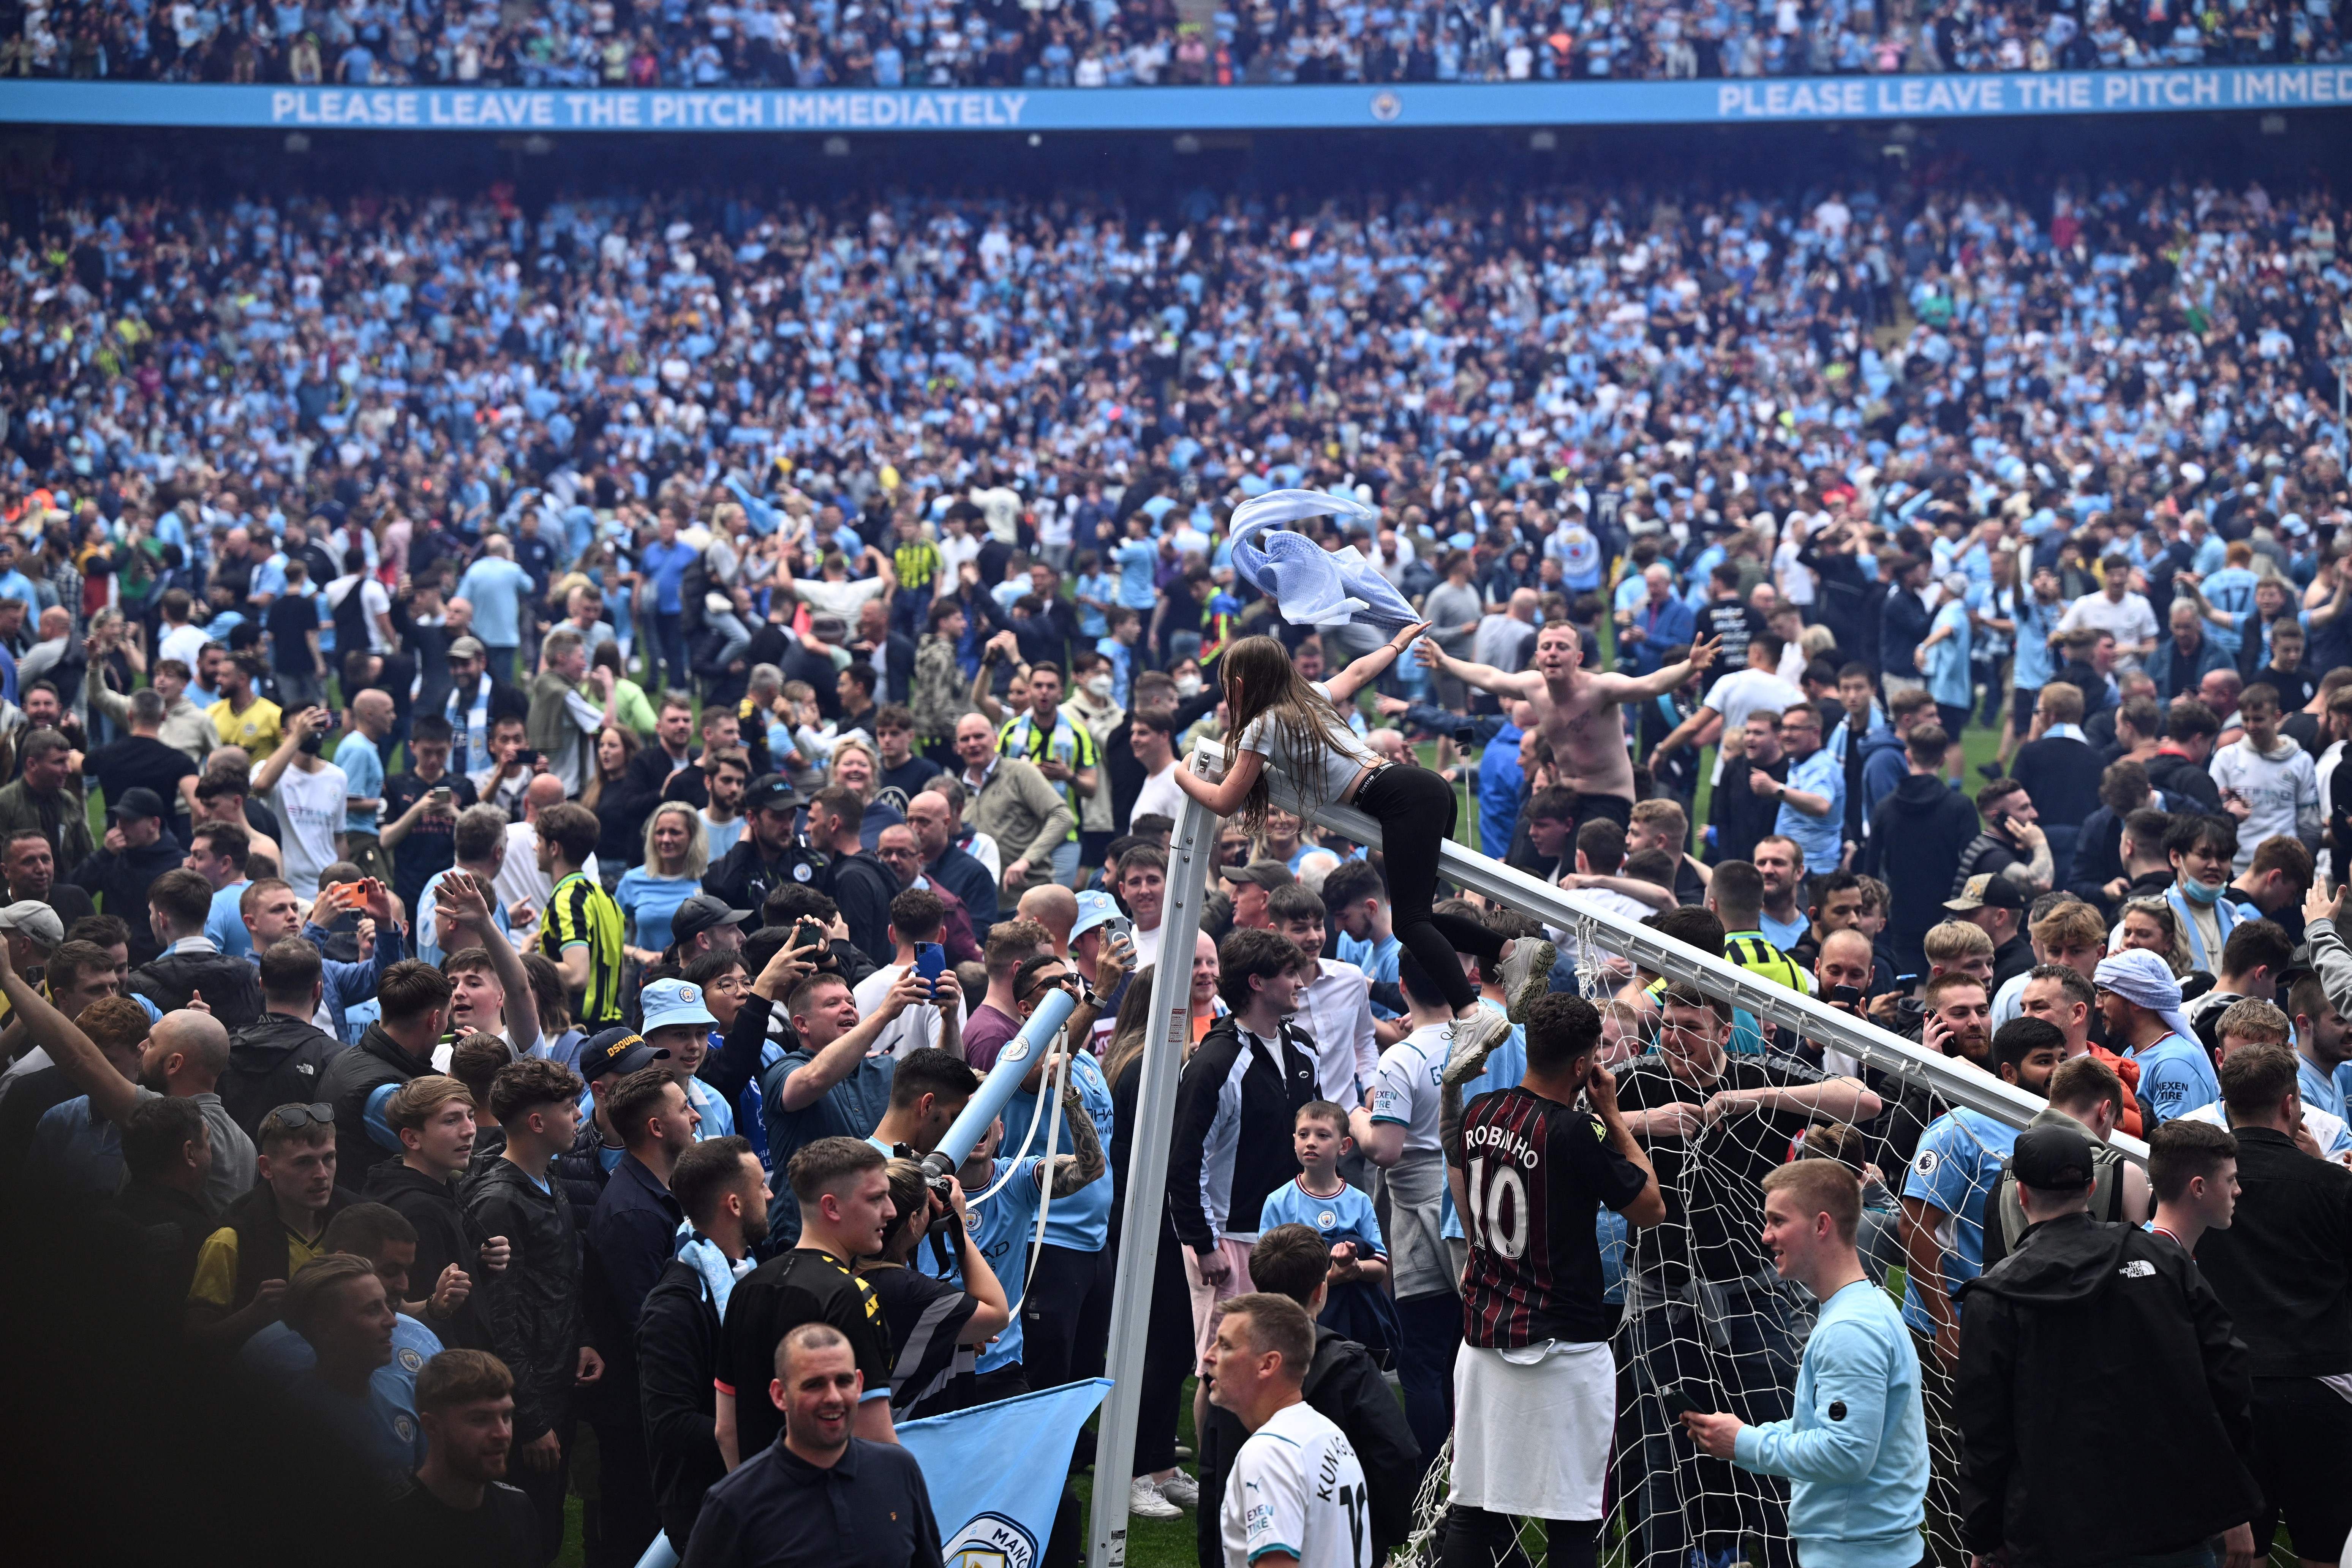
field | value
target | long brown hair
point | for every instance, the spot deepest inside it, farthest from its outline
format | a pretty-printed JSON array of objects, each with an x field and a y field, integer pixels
[
  {"x": 1271, "y": 687},
  {"x": 1134, "y": 1018}
]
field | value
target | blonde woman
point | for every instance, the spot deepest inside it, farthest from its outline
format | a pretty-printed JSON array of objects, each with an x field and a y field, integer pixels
[
  {"x": 677, "y": 852},
  {"x": 2155, "y": 925}
]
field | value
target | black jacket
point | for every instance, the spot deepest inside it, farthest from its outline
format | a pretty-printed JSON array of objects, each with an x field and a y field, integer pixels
[
  {"x": 2061, "y": 774},
  {"x": 678, "y": 1354},
  {"x": 531, "y": 1309},
  {"x": 632, "y": 1237},
  {"x": 1916, "y": 835},
  {"x": 864, "y": 887},
  {"x": 2284, "y": 1268},
  {"x": 581, "y": 1171},
  {"x": 263, "y": 1247},
  {"x": 1740, "y": 816},
  {"x": 1904, "y": 621},
  {"x": 2084, "y": 1341},
  {"x": 276, "y": 1060},
  {"x": 121, "y": 880},
  {"x": 1234, "y": 1106},
  {"x": 2177, "y": 775},
  {"x": 231, "y": 985},
  {"x": 350, "y": 1078},
  {"x": 1343, "y": 1384},
  {"x": 746, "y": 876},
  {"x": 444, "y": 1237}
]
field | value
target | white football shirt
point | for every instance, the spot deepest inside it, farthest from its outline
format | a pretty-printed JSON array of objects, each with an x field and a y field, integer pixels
[{"x": 1296, "y": 1489}]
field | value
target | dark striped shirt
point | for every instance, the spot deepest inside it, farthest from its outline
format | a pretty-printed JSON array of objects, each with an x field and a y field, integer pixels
[
  {"x": 581, "y": 914},
  {"x": 1536, "y": 1173}
]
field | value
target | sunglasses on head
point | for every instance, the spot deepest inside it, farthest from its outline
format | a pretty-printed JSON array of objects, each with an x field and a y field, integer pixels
[{"x": 289, "y": 1118}]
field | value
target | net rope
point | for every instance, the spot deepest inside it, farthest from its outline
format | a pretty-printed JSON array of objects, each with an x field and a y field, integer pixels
[{"x": 1734, "y": 1344}]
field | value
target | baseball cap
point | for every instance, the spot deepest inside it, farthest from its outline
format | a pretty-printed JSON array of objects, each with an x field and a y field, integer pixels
[
  {"x": 617, "y": 1049},
  {"x": 136, "y": 801},
  {"x": 2052, "y": 1159},
  {"x": 669, "y": 1002},
  {"x": 1986, "y": 890},
  {"x": 1266, "y": 874},
  {"x": 36, "y": 919},
  {"x": 701, "y": 912},
  {"x": 770, "y": 791},
  {"x": 468, "y": 647},
  {"x": 1094, "y": 907}
]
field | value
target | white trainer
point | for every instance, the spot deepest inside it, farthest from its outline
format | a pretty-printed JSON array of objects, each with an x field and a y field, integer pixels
[
  {"x": 1526, "y": 976},
  {"x": 1475, "y": 1038},
  {"x": 1180, "y": 1489},
  {"x": 1144, "y": 1501}
]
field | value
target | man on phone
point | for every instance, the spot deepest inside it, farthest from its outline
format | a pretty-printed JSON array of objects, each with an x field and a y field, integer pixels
[
  {"x": 916, "y": 916},
  {"x": 421, "y": 807}
]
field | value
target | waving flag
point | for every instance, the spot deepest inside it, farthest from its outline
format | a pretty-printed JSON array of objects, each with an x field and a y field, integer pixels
[
  {"x": 995, "y": 1472},
  {"x": 1313, "y": 586}
]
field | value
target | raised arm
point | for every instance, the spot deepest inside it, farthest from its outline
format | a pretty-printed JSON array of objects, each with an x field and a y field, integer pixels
[
  {"x": 468, "y": 903},
  {"x": 308, "y": 722},
  {"x": 808, "y": 1083},
  {"x": 1485, "y": 676},
  {"x": 1367, "y": 669},
  {"x": 1616, "y": 688},
  {"x": 111, "y": 1095}
]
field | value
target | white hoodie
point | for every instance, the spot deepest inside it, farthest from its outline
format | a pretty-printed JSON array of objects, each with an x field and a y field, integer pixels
[{"x": 2280, "y": 784}]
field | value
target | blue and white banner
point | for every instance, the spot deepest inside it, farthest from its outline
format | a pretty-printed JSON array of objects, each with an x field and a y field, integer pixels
[
  {"x": 1426, "y": 105},
  {"x": 995, "y": 1472}
]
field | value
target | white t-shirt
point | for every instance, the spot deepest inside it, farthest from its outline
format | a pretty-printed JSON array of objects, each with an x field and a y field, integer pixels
[
  {"x": 1334, "y": 761},
  {"x": 1404, "y": 1085},
  {"x": 310, "y": 809},
  {"x": 1297, "y": 1488},
  {"x": 1158, "y": 796},
  {"x": 1146, "y": 947},
  {"x": 185, "y": 644},
  {"x": 2132, "y": 621},
  {"x": 1746, "y": 691},
  {"x": 911, "y": 1030},
  {"x": 374, "y": 600}
]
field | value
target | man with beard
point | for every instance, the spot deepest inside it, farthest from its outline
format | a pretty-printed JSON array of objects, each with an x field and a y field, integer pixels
[{"x": 458, "y": 1508}]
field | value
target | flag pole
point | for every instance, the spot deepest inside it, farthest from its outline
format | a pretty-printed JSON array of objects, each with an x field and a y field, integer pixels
[{"x": 1143, "y": 1200}]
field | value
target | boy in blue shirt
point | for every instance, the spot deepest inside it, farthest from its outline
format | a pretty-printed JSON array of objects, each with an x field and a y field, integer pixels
[
  {"x": 1855, "y": 1450},
  {"x": 1342, "y": 1215}
]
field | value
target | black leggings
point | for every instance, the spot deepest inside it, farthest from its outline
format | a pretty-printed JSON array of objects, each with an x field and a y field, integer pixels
[
  {"x": 1415, "y": 809},
  {"x": 1477, "y": 1539}
]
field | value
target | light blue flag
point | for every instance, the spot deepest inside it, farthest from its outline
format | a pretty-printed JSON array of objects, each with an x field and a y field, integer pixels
[
  {"x": 1312, "y": 586},
  {"x": 995, "y": 1472}
]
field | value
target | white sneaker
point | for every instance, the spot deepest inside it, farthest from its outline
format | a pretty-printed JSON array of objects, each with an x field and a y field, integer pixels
[
  {"x": 1180, "y": 1489},
  {"x": 1475, "y": 1038},
  {"x": 1526, "y": 976},
  {"x": 1144, "y": 1501}
]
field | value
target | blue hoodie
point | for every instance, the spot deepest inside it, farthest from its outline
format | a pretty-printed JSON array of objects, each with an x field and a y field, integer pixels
[
  {"x": 1855, "y": 1450},
  {"x": 1884, "y": 767}
]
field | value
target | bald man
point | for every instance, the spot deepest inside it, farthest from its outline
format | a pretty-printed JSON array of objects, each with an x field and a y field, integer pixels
[
  {"x": 1054, "y": 907},
  {"x": 361, "y": 756},
  {"x": 522, "y": 887}
]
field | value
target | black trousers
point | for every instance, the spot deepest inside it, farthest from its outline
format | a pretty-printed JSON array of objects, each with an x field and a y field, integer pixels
[
  {"x": 545, "y": 1489},
  {"x": 1065, "y": 1316},
  {"x": 1477, "y": 1539},
  {"x": 624, "y": 1518},
  {"x": 1415, "y": 809},
  {"x": 1167, "y": 1359}
]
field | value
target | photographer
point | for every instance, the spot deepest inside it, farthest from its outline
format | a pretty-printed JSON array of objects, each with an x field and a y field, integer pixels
[{"x": 944, "y": 1323}]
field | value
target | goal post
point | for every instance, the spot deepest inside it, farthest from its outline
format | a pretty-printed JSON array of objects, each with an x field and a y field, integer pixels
[{"x": 1722, "y": 1341}]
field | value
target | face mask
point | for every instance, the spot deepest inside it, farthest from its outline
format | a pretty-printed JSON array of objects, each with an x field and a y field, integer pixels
[
  {"x": 1098, "y": 686},
  {"x": 1188, "y": 686},
  {"x": 2199, "y": 892}
]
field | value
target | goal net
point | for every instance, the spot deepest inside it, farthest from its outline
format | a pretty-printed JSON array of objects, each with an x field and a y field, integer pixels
[{"x": 1703, "y": 1315}]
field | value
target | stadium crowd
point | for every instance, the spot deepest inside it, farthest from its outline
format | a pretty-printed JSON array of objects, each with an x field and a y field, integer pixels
[
  {"x": 605, "y": 726},
  {"x": 720, "y": 44}
]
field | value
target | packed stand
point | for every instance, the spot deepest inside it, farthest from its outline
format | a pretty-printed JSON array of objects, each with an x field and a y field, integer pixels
[
  {"x": 1103, "y": 44},
  {"x": 499, "y": 899}
]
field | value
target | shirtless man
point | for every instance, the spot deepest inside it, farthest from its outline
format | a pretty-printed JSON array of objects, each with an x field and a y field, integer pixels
[{"x": 1577, "y": 711}]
